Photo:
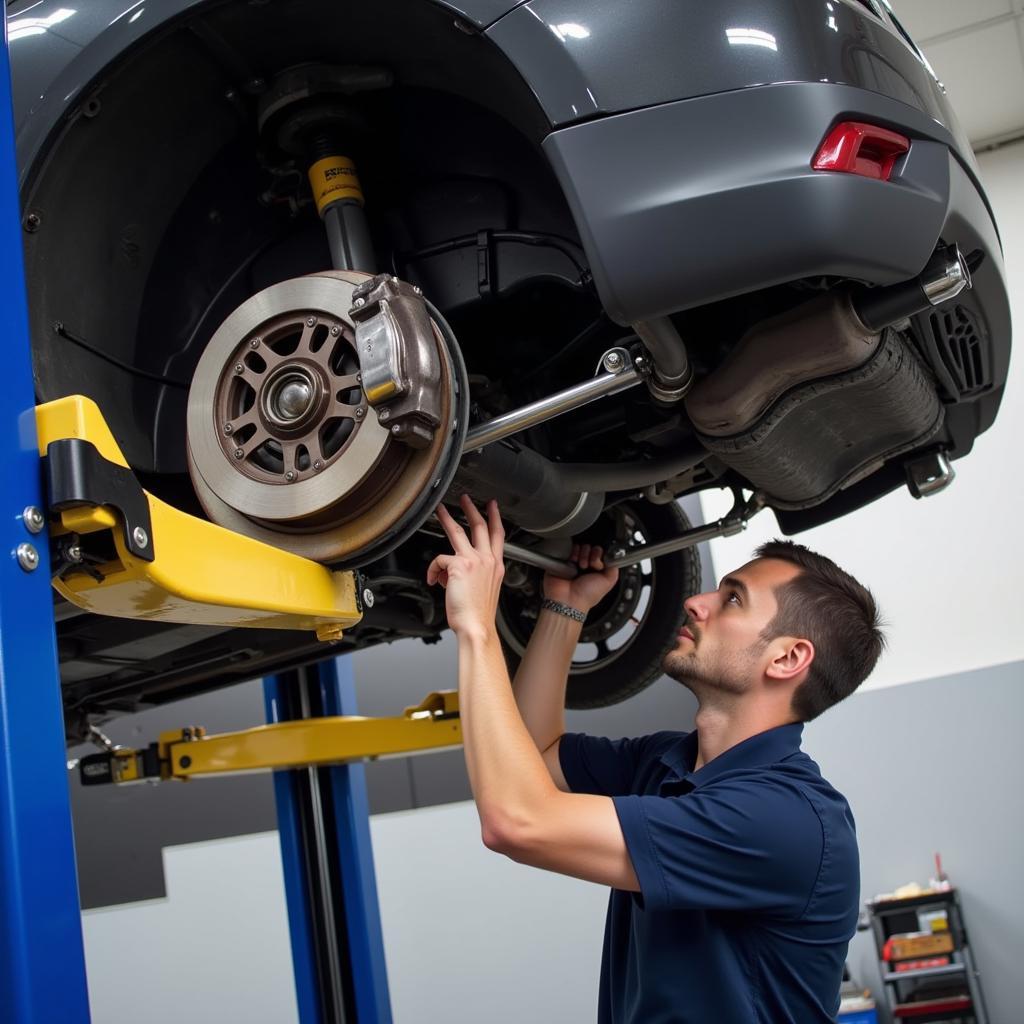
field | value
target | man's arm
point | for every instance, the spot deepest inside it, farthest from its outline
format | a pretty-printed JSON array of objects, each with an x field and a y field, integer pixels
[
  {"x": 522, "y": 813},
  {"x": 540, "y": 682}
]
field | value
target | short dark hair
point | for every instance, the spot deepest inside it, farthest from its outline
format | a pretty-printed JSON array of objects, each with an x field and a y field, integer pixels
[{"x": 837, "y": 614}]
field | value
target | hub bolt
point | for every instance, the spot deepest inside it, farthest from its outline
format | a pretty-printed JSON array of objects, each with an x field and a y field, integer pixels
[
  {"x": 74, "y": 553},
  {"x": 359, "y": 302},
  {"x": 228, "y": 428},
  {"x": 384, "y": 415},
  {"x": 368, "y": 598},
  {"x": 359, "y": 378},
  {"x": 140, "y": 536},
  {"x": 254, "y": 343},
  {"x": 310, "y": 321},
  {"x": 290, "y": 476},
  {"x": 239, "y": 368},
  {"x": 318, "y": 465},
  {"x": 238, "y": 453},
  {"x": 417, "y": 289},
  {"x": 335, "y": 331},
  {"x": 359, "y": 413},
  {"x": 396, "y": 429}
]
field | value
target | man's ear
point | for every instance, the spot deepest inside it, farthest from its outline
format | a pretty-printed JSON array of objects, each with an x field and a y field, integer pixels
[{"x": 792, "y": 657}]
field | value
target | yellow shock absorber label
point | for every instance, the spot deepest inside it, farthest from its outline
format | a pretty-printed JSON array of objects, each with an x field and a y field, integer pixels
[{"x": 334, "y": 178}]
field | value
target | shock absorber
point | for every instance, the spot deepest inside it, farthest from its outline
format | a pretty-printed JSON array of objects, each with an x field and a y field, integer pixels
[
  {"x": 339, "y": 201},
  {"x": 308, "y": 114}
]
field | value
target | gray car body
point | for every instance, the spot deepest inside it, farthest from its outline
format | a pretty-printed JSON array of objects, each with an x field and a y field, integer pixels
[{"x": 681, "y": 134}]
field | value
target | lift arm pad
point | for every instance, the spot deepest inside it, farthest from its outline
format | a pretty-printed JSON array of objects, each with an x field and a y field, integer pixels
[{"x": 181, "y": 569}]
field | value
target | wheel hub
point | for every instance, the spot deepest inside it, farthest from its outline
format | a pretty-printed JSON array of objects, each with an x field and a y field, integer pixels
[{"x": 287, "y": 400}]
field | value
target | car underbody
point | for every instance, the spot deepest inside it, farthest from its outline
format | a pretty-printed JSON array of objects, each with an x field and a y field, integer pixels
[{"x": 182, "y": 276}]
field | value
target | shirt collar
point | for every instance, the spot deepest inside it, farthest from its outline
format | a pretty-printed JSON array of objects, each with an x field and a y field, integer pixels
[{"x": 763, "y": 748}]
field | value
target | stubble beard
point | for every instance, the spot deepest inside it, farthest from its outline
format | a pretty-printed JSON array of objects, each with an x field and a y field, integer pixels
[{"x": 725, "y": 677}]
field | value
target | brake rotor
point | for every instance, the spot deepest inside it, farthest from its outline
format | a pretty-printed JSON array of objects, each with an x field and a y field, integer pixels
[{"x": 282, "y": 444}]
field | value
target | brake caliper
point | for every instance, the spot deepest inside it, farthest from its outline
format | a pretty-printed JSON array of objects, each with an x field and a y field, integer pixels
[{"x": 397, "y": 352}]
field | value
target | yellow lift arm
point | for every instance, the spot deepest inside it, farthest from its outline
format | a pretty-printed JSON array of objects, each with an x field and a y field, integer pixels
[
  {"x": 187, "y": 753},
  {"x": 176, "y": 567}
]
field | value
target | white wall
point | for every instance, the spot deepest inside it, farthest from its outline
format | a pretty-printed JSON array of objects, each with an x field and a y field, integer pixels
[
  {"x": 944, "y": 570},
  {"x": 216, "y": 949},
  {"x": 469, "y": 935}
]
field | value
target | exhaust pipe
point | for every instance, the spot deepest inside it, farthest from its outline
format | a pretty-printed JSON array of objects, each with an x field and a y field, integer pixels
[{"x": 945, "y": 277}]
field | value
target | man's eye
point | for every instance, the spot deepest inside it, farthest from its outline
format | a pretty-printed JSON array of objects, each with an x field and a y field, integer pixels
[{"x": 733, "y": 596}]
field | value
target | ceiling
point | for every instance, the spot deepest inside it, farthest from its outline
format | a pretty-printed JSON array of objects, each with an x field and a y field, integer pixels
[{"x": 977, "y": 50}]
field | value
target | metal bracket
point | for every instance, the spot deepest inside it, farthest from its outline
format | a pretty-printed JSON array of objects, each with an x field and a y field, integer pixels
[{"x": 77, "y": 475}]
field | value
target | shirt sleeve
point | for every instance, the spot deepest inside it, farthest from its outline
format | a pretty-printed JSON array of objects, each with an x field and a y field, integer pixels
[
  {"x": 744, "y": 845},
  {"x": 604, "y": 767}
]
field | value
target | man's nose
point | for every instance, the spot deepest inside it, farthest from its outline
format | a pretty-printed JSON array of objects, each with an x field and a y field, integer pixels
[{"x": 697, "y": 606}]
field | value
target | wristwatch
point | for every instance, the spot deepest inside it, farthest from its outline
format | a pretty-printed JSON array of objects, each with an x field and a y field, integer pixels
[{"x": 563, "y": 609}]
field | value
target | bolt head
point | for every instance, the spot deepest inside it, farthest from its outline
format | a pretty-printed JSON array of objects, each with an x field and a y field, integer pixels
[
  {"x": 417, "y": 289},
  {"x": 359, "y": 413},
  {"x": 310, "y": 321},
  {"x": 254, "y": 343},
  {"x": 238, "y": 453},
  {"x": 384, "y": 415},
  {"x": 368, "y": 597},
  {"x": 74, "y": 552},
  {"x": 318, "y": 465},
  {"x": 239, "y": 368},
  {"x": 613, "y": 361},
  {"x": 33, "y": 519},
  {"x": 140, "y": 536},
  {"x": 359, "y": 302},
  {"x": 290, "y": 476},
  {"x": 28, "y": 557},
  {"x": 335, "y": 331},
  {"x": 396, "y": 429},
  {"x": 32, "y": 222},
  {"x": 229, "y": 428}
]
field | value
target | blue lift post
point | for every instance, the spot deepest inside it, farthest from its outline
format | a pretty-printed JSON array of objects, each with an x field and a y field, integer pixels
[
  {"x": 42, "y": 962},
  {"x": 324, "y": 825}
]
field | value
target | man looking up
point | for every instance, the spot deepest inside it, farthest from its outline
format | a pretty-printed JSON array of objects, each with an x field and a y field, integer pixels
[{"x": 733, "y": 864}]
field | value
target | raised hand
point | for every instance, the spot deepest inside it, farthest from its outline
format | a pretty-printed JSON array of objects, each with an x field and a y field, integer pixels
[
  {"x": 593, "y": 583},
  {"x": 472, "y": 575}
]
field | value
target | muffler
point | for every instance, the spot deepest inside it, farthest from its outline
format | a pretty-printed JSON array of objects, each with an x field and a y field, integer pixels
[{"x": 822, "y": 396}]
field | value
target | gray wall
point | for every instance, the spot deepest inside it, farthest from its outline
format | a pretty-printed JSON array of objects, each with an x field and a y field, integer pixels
[{"x": 935, "y": 766}]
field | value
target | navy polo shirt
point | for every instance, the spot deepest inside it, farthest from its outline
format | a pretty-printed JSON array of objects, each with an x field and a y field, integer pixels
[{"x": 749, "y": 880}]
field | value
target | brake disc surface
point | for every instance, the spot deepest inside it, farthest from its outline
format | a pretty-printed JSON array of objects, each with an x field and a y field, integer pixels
[{"x": 282, "y": 445}]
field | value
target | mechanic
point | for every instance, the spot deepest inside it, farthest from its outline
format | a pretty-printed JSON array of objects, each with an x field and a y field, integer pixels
[{"x": 733, "y": 864}]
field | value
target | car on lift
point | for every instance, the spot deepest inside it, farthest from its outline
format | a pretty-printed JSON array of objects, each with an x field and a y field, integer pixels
[{"x": 771, "y": 214}]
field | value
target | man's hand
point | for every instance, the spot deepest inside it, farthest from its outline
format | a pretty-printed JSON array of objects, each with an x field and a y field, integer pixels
[
  {"x": 472, "y": 575},
  {"x": 587, "y": 590}
]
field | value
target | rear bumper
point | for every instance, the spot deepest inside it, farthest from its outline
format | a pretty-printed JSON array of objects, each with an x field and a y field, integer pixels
[{"x": 690, "y": 202}]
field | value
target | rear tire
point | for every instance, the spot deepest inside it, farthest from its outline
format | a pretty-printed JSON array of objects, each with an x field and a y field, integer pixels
[{"x": 626, "y": 637}]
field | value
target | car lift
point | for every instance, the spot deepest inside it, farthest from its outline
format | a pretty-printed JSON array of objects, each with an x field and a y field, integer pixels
[{"x": 119, "y": 550}]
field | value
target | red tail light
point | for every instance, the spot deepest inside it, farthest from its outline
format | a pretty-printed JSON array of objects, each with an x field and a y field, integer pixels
[{"x": 858, "y": 148}]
